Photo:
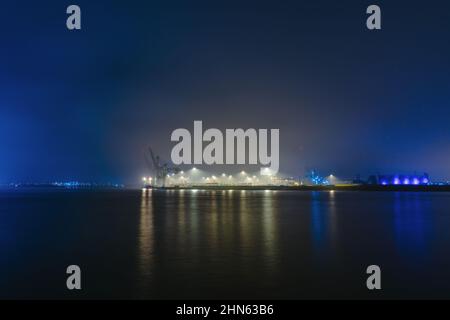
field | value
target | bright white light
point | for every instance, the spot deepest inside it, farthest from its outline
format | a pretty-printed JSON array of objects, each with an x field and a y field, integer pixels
[
  {"x": 242, "y": 172},
  {"x": 182, "y": 172},
  {"x": 144, "y": 179},
  {"x": 194, "y": 169},
  {"x": 223, "y": 174}
]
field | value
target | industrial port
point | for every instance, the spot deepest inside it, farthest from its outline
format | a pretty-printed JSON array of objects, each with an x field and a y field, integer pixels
[{"x": 165, "y": 176}]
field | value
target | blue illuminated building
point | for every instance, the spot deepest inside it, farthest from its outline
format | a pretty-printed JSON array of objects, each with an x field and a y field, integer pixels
[{"x": 398, "y": 179}]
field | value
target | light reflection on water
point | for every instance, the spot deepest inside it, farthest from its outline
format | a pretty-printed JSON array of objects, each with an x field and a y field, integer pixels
[
  {"x": 411, "y": 221},
  {"x": 225, "y": 244},
  {"x": 324, "y": 220},
  {"x": 211, "y": 227},
  {"x": 263, "y": 238},
  {"x": 146, "y": 245}
]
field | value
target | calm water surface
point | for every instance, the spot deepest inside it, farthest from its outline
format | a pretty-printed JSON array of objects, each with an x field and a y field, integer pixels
[{"x": 224, "y": 244}]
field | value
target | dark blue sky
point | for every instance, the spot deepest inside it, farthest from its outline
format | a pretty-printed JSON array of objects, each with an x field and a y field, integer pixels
[{"x": 84, "y": 105}]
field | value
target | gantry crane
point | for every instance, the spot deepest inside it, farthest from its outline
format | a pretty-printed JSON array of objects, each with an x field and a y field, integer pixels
[{"x": 160, "y": 170}]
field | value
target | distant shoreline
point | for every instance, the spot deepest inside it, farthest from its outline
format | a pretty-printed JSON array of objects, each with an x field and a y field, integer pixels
[
  {"x": 429, "y": 188},
  {"x": 389, "y": 188}
]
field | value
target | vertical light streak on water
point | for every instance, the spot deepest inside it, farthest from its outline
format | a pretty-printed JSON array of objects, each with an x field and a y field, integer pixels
[
  {"x": 194, "y": 221},
  {"x": 317, "y": 227},
  {"x": 245, "y": 230},
  {"x": 332, "y": 218},
  {"x": 269, "y": 231},
  {"x": 324, "y": 221},
  {"x": 182, "y": 231},
  {"x": 146, "y": 237},
  {"x": 212, "y": 229},
  {"x": 410, "y": 223}
]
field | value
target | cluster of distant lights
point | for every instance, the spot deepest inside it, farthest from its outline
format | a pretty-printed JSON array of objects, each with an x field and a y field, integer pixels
[
  {"x": 243, "y": 177},
  {"x": 319, "y": 180},
  {"x": 230, "y": 177},
  {"x": 405, "y": 181},
  {"x": 70, "y": 184},
  {"x": 77, "y": 184}
]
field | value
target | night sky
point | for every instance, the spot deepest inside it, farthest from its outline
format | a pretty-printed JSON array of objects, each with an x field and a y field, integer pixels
[{"x": 84, "y": 105}]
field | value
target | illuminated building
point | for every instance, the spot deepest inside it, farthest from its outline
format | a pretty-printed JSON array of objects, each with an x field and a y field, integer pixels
[{"x": 399, "y": 179}]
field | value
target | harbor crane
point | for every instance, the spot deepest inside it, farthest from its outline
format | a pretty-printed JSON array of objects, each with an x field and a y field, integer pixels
[{"x": 161, "y": 171}]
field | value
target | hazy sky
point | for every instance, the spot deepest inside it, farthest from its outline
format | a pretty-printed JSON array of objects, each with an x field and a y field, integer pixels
[{"x": 84, "y": 105}]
